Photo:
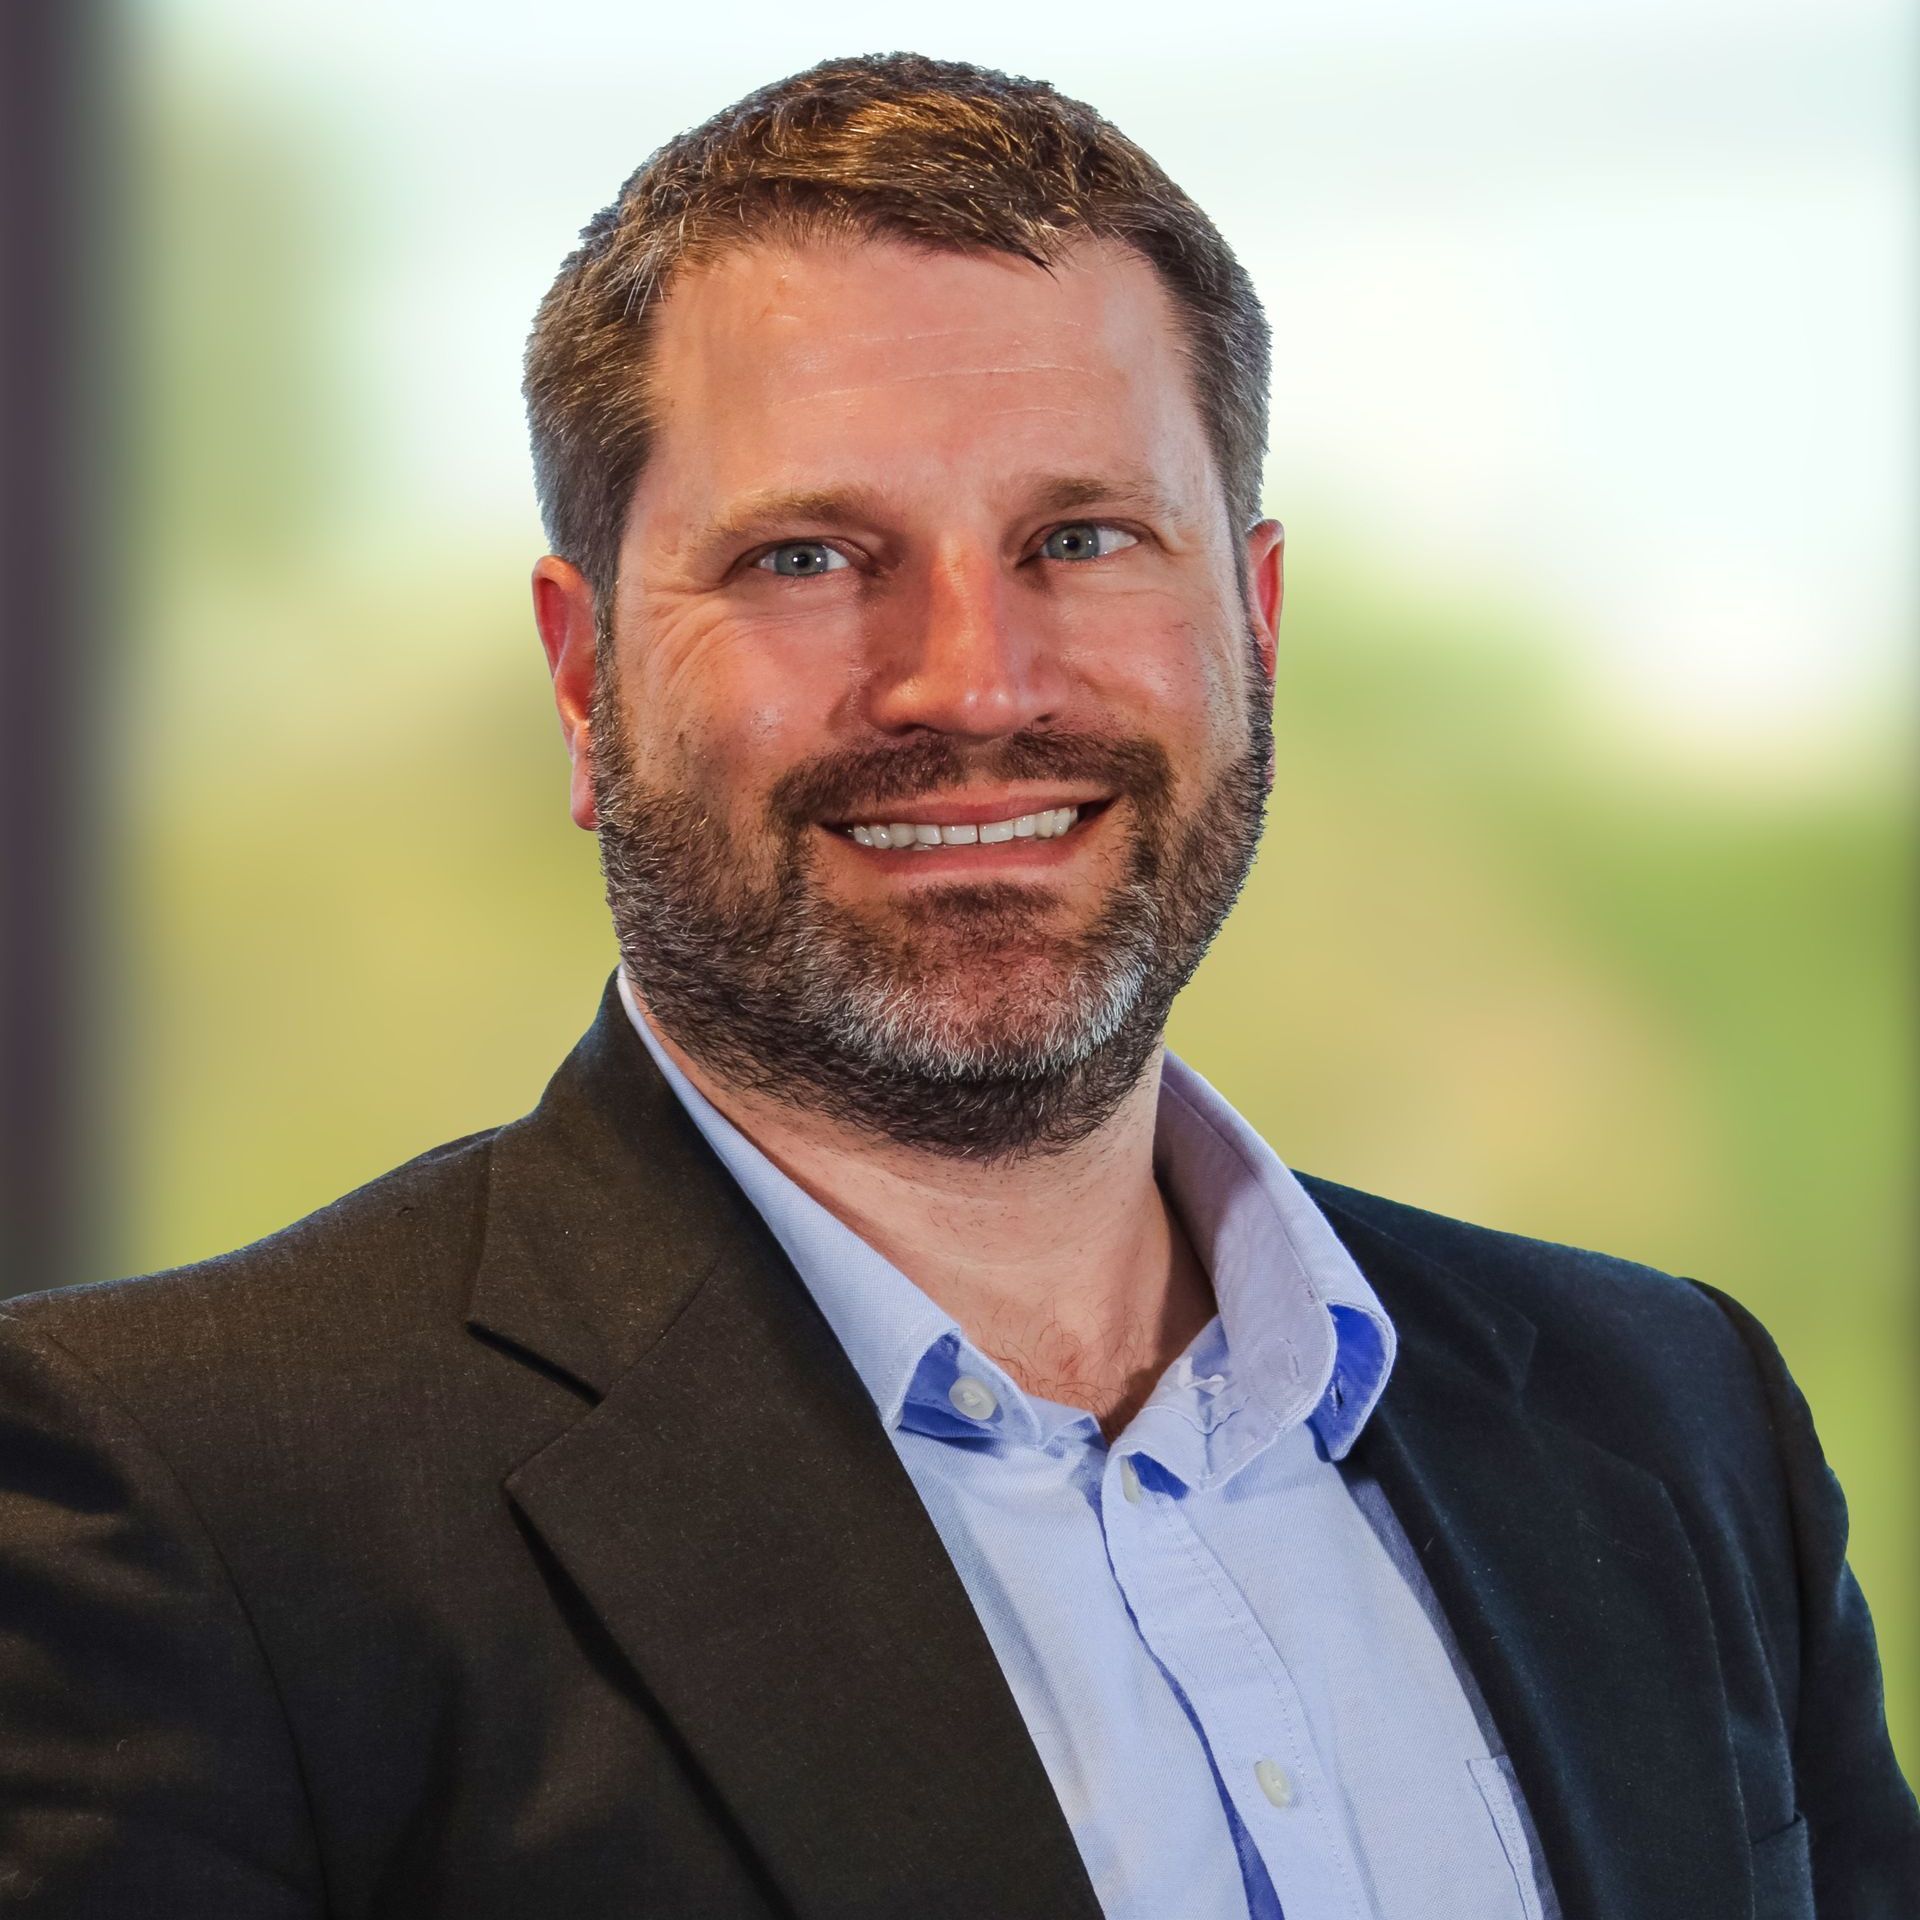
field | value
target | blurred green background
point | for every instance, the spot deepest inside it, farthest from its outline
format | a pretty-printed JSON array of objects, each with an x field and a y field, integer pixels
[{"x": 1586, "y": 905}]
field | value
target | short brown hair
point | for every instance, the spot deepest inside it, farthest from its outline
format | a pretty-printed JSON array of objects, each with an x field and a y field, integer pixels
[{"x": 934, "y": 152}]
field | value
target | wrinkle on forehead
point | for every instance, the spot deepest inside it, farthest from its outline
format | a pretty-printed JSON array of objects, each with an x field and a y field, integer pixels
[{"x": 914, "y": 375}]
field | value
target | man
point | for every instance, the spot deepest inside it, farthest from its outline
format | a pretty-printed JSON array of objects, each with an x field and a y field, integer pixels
[{"x": 880, "y": 1438}]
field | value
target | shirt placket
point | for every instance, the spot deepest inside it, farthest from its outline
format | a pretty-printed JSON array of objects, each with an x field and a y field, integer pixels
[{"x": 1237, "y": 1687}]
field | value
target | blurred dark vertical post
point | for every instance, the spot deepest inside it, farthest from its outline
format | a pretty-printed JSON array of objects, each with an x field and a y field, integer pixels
[{"x": 58, "y": 539}]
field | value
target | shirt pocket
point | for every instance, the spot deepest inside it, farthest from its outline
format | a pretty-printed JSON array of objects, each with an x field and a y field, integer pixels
[{"x": 1493, "y": 1775}]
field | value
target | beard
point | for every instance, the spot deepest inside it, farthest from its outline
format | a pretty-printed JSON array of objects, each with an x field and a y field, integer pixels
[{"x": 957, "y": 1019}]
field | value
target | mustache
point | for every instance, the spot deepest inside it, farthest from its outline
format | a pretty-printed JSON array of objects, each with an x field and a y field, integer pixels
[{"x": 838, "y": 786}]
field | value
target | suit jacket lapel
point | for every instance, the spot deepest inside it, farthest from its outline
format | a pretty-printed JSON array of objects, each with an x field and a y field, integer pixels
[
  {"x": 1569, "y": 1584},
  {"x": 731, "y": 1507}
]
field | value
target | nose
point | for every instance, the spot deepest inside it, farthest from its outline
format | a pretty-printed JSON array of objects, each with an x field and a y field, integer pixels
[{"x": 964, "y": 652}]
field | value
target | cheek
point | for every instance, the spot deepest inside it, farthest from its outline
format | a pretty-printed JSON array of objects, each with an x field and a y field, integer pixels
[
  {"x": 722, "y": 710},
  {"x": 1180, "y": 685},
  {"x": 1167, "y": 668}
]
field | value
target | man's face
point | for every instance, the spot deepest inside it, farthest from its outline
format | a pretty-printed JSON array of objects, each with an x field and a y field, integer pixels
[{"x": 930, "y": 541}]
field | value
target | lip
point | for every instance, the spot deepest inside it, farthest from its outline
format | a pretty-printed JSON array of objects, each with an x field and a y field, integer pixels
[{"x": 960, "y": 810}]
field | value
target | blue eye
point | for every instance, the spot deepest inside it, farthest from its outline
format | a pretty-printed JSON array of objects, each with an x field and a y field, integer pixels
[
  {"x": 1085, "y": 540},
  {"x": 800, "y": 559}
]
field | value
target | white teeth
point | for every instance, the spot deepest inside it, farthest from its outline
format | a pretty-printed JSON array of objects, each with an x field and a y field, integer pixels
[{"x": 1027, "y": 826}]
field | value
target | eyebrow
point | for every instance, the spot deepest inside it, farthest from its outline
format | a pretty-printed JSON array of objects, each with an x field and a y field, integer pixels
[
  {"x": 1132, "y": 491},
  {"x": 775, "y": 508},
  {"x": 778, "y": 507}
]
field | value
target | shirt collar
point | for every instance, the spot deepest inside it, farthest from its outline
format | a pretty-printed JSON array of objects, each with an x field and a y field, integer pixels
[
  {"x": 1300, "y": 1334},
  {"x": 1307, "y": 1337}
]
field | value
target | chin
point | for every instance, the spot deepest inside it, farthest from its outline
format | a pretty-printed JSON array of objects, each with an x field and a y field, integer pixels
[{"x": 1040, "y": 1020}]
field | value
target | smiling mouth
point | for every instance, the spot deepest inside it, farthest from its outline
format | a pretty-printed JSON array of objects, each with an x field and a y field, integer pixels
[{"x": 1049, "y": 823}]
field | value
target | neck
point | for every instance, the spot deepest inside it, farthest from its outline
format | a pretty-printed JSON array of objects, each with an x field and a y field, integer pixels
[{"x": 1072, "y": 1270}]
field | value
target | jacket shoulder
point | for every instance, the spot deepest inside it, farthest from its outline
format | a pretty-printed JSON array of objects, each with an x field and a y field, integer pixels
[
  {"x": 392, "y": 1249},
  {"x": 1608, "y": 1332},
  {"x": 1514, "y": 1264}
]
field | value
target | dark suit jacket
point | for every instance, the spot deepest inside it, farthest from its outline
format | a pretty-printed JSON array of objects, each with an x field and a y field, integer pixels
[{"x": 512, "y": 1538}]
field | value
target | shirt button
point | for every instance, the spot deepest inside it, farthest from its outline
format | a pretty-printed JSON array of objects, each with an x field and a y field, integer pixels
[
  {"x": 973, "y": 1397},
  {"x": 1129, "y": 1479},
  {"x": 1274, "y": 1782}
]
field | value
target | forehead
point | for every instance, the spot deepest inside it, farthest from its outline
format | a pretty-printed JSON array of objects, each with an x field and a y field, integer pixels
[{"x": 819, "y": 363}]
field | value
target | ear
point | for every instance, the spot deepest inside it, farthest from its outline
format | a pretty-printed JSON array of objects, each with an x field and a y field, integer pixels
[
  {"x": 563, "y": 611},
  {"x": 1266, "y": 587},
  {"x": 1266, "y": 554}
]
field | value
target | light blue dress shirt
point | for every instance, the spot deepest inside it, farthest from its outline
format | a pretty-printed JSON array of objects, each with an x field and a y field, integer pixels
[{"x": 1235, "y": 1676}]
